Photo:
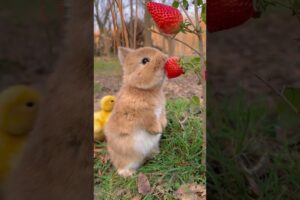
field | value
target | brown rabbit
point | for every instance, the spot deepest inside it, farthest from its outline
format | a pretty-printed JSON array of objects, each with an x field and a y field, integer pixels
[{"x": 134, "y": 128}]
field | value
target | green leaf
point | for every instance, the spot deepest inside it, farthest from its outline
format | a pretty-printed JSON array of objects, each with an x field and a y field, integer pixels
[
  {"x": 148, "y": 197},
  {"x": 296, "y": 6},
  {"x": 199, "y": 2},
  {"x": 287, "y": 118},
  {"x": 185, "y": 4},
  {"x": 195, "y": 60},
  {"x": 293, "y": 95},
  {"x": 195, "y": 100},
  {"x": 175, "y": 4}
]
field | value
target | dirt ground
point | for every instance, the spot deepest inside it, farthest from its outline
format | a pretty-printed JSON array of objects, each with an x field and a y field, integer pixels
[
  {"x": 268, "y": 46},
  {"x": 184, "y": 86}
]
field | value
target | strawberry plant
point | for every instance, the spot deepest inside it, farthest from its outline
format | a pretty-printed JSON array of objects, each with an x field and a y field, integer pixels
[
  {"x": 169, "y": 20},
  {"x": 173, "y": 67},
  {"x": 226, "y": 14}
]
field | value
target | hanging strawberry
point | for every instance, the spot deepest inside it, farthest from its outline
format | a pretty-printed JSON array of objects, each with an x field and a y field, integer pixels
[
  {"x": 225, "y": 14},
  {"x": 173, "y": 68},
  {"x": 167, "y": 18}
]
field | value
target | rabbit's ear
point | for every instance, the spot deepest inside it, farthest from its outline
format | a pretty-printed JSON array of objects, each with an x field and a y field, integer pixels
[{"x": 122, "y": 53}]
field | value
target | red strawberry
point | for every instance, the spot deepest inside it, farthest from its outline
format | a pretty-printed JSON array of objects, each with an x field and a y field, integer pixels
[
  {"x": 167, "y": 18},
  {"x": 225, "y": 14},
  {"x": 172, "y": 67}
]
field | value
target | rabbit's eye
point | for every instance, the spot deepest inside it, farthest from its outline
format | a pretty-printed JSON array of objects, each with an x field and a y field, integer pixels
[
  {"x": 145, "y": 60},
  {"x": 30, "y": 104}
]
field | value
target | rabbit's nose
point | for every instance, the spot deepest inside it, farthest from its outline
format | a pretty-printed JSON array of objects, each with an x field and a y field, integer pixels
[{"x": 163, "y": 58}]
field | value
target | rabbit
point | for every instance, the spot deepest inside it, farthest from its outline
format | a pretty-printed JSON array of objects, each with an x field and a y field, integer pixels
[{"x": 134, "y": 129}]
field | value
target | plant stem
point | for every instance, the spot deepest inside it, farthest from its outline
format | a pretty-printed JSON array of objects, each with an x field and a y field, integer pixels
[
  {"x": 195, "y": 50},
  {"x": 281, "y": 4},
  {"x": 278, "y": 93},
  {"x": 196, "y": 27},
  {"x": 197, "y": 72},
  {"x": 190, "y": 20},
  {"x": 198, "y": 32}
]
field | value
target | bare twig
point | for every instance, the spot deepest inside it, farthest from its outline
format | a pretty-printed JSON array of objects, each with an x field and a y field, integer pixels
[
  {"x": 199, "y": 75},
  {"x": 278, "y": 93},
  {"x": 124, "y": 29},
  {"x": 195, "y": 50},
  {"x": 196, "y": 27},
  {"x": 190, "y": 20},
  {"x": 115, "y": 25},
  {"x": 183, "y": 121},
  {"x": 259, "y": 165},
  {"x": 135, "y": 24},
  {"x": 281, "y": 4}
]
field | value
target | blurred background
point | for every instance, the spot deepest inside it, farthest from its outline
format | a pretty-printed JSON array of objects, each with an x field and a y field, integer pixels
[
  {"x": 127, "y": 23},
  {"x": 30, "y": 39}
]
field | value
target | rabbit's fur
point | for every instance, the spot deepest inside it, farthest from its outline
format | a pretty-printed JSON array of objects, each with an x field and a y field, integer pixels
[{"x": 134, "y": 128}]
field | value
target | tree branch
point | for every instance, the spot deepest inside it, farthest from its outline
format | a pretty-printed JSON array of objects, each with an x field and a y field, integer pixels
[
  {"x": 279, "y": 94},
  {"x": 190, "y": 20},
  {"x": 195, "y": 50}
]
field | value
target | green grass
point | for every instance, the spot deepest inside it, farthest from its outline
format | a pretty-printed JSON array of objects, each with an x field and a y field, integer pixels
[
  {"x": 179, "y": 161},
  {"x": 97, "y": 88},
  {"x": 244, "y": 129},
  {"x": 108, "y": 66}
]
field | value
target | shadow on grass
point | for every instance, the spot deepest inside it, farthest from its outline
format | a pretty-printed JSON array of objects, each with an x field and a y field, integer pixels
[{"x": 249, "y": 155}]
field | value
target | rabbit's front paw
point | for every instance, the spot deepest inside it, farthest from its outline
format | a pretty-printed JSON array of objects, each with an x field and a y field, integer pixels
[
  {"x": 155, "y": 128},
  {"x": 126, "y": 172},
  {"x": 163, "y": 121}
]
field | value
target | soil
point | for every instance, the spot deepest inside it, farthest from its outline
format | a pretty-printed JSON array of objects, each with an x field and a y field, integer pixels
[
  {"x": 268, "y": 46},
  {"x": 184, "y": 86}
]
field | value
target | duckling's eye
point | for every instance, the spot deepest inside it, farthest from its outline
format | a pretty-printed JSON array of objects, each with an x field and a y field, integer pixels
[
  {"x": 112, "y": 101},
  {"x": 145, "y": 60},
  {"x": 30, "y": 104}
]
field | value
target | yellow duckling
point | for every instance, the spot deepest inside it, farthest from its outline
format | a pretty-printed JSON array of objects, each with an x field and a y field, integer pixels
[
  {"x": 18, "y": 110},
  {"x": 100, "y": 118}
]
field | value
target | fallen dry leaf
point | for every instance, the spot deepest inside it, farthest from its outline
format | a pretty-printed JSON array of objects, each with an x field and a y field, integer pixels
[
  {"x": 196, "y": 188},
  {"x": 191, "y": 191},
  {"x": 96, "y": 150},
  {"x": 160, "y": 189},
  {"x": 187, "y": 197},
  {"x": 144, "y": 187},
  {"x": 121, "y": 192},
  {"x": 137, "y": 197},
  {"x": 104, "y": 158},
  {"x": 99, "y": 173}
]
